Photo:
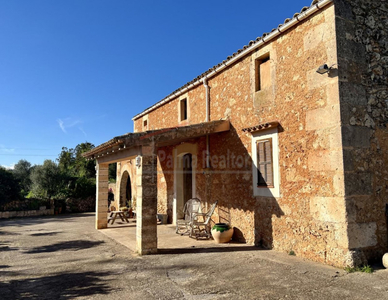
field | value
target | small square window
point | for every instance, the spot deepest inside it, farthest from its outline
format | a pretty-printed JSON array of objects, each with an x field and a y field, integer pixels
[
  {"x": 262, "y": 72},
  {"x": 183, "y": 109},
  {"x": 145, "y": 123}
]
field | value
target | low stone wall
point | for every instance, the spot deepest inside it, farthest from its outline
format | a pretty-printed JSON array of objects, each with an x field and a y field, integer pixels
[{"x": 26, "y": 213}]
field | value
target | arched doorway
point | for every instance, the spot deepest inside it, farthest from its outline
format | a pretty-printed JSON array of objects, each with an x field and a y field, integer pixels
[{"x": 125, "y": 189}]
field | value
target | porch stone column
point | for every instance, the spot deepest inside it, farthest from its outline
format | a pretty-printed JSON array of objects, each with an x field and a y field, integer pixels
[
  {"x": 146, "y": 203},
  {"x": 102, "y": 195}
]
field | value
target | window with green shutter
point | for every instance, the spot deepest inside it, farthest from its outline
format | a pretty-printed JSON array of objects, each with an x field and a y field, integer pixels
[{"x": 264, "y": 163}]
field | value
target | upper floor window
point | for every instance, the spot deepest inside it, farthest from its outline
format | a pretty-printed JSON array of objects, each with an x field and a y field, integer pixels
[
  {"x": 183, "y": 109},
  {"x": 145, "y": 123},
  {"x": 262, "y": 72}
]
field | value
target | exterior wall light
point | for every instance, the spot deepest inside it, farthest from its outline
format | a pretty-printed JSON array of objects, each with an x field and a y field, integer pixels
[
  {"x": 138, "y": 160},
  {"x": 323, "y": 69}
]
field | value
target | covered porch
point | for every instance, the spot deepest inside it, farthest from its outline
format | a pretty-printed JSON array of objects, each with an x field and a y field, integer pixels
[
  {"x": 168, "y": 241},
  {"x": 142, "y": 147}
]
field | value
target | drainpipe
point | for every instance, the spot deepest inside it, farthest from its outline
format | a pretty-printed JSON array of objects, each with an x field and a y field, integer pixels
[{"x": 207, "y": 120}]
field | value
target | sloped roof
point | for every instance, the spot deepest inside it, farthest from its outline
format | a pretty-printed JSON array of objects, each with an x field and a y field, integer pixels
[
  {"x": 159, "y": 137},
  {"x": 264, "y": 38}
]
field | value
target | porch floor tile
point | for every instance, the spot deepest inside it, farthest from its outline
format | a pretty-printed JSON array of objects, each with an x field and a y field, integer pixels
[{"x": 168, "y": 241}]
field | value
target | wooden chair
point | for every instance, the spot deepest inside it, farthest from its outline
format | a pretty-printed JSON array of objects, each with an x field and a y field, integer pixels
[
  {"x": 191, "y": 207},
  {"x": 200, "y": 228}
]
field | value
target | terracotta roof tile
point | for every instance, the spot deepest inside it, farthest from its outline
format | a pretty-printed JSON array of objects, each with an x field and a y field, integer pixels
[{"x": 261, "y": 127}]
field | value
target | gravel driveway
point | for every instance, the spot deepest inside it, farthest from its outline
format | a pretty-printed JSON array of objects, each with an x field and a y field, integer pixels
[{"x": 64, "y": 257}]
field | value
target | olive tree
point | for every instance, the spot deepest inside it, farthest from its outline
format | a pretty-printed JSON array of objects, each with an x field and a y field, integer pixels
[
  {"x": 47, "y": 179},
  {"x": 22, "y": 172}
]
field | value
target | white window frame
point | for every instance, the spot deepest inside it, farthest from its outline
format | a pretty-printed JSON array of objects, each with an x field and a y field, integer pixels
[{"x": 266, "y": 191}]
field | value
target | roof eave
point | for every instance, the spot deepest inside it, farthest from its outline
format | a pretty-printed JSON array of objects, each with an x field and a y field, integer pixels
[{"x": 253, "y": 45}]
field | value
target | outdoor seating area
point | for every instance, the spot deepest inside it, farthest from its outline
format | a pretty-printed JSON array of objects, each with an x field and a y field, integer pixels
[
  {"x": 191, "y": 207},
  {"x": 124, "y": 214},
  {"x": 191, "y": 233},
  {"x": 195, "y": 223},
  {"x": 200, "y": 223},
  {"x": 117, "y": 213},
  {"x": 168, "y": 241}
]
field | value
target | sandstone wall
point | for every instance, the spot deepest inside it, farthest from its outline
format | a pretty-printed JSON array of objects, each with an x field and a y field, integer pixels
[
  {"x": 363, "y": 71},
  {"x": 309, "y": 217}
]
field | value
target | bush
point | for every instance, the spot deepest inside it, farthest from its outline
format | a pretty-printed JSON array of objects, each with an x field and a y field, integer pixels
[
  {"x": 9, "y": 187},
  {"x": 84, "y": 188},
  {"x": 46, "y": 179}
]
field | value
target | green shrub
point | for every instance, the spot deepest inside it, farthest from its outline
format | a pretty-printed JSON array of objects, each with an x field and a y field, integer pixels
[
  {"x": 221, "y": 227},
  {"x": 9, "y": 187},
  {"x": 364, "y": 269},
  {"x": 84, "y": 188}
]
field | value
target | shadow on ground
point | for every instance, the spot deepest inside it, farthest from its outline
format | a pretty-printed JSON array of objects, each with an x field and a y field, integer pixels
[
  {"x": 2, "y": 232},
  {"x": 33, "y": 220},
  {"x": 45, "y": 234},
  {"x": 207, "y": 250},
  {"x": 60, "y": 286},
  {"x": 7, "y": 248},
  {"x": 63, "y": 246}
]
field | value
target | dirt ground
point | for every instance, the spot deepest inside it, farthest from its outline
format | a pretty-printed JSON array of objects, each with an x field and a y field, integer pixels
[{"x": 64, "y": 257}]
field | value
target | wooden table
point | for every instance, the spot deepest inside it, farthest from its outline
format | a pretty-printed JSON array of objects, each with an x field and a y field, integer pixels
[{"x": 113, "y": 215}]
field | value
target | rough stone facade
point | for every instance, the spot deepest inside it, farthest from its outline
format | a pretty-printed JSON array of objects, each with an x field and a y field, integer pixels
[
  {"x": 362, "y": 42},
  {"x": 332, "y": 138}
]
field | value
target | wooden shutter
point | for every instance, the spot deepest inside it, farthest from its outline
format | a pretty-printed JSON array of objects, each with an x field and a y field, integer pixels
[{"x": 264, "y": 163}]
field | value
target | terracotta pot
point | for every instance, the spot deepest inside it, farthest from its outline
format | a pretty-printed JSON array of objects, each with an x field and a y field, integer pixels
[
  {"x": 222, "y": 233},
  {"x": 385, "y": 260}
]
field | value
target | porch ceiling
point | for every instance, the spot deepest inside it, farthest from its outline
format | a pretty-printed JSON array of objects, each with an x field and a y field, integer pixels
[{"x": 158, "y": 138}]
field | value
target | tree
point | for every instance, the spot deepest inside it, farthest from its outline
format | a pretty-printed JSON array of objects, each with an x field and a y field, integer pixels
[
  {"x": 112, "y": 172},
  {"x": 47, "y": 179},
  {"x": 22, "y": 172},
  {"x": 72, "y": 163},
  {"x": 66, "y": 161},
  {"x": 9, "y": 187},
  {"x": 84, "y": 167}
]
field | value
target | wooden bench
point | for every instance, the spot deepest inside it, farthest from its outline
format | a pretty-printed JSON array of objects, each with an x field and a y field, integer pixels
[{"x": 113, "y": 215}]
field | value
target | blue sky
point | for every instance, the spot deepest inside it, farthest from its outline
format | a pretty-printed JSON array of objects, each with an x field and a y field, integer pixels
[{"x": 79, "y": 70}]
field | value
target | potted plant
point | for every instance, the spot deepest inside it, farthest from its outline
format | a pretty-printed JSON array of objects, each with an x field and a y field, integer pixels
[{"x": 222, "y": 232}]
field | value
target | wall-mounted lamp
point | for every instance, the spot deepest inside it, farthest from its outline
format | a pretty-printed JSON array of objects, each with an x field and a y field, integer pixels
[
  {"x": 323, "y": 69},
  {"x": 138, "y": 161}
]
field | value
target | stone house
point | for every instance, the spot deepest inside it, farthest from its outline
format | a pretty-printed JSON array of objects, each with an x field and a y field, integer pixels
[{"x": 296, "y": 158}]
